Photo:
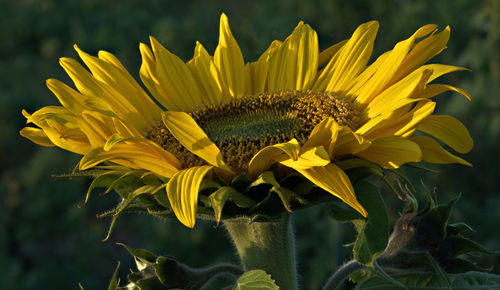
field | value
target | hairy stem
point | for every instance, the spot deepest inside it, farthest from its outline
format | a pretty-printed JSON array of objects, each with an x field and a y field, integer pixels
[
  {"x": 343, "y": 272},
  {"x": 267, "y": 245}
]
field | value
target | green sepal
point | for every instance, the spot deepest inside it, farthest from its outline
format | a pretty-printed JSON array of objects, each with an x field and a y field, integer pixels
[
  {"x": 115, "y": 281},
  {"x": 219, "y": 197},
  {"x": 255, "y": 280}
]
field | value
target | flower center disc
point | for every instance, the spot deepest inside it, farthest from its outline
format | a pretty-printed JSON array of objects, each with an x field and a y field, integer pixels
[{"x": 243, "y": 126}]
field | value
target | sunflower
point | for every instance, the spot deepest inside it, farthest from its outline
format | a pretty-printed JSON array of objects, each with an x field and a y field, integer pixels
[{"x": 315, "y": 114}]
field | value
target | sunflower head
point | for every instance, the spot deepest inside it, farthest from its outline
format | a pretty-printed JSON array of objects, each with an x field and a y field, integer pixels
[{"x": 219, "y": 136}]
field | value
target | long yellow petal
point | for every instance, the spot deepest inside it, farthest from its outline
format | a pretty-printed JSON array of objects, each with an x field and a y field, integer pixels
[
  {"x": 138, "y": 154},
  {"x": 206, "y": 74},
  {"x": 97, "y": 127},
  {"x": 260, "y": 68},
  {"x": 352, "y": 59},
  {"x": 192, "y": 137},
  {"x": 384, "y": 75},
  {"x": 333, "y": 179},
  {"x": 110, "y": 71},
  {"x": 392, "y": 152},
  {"x": 69, "y": 98},
  {"x": 432, "y": 152},
  {"x": 327, "y": 54},
  {"x": 436, "y": 89},
  {"x": 175, "y": 78},
  {"x": 423, "y": 51},
  {"x": 267, "y": 156},
  {"x": 229, "y": 60},
  {"x": 401, "y": 125},
  {"x": 294, "y": 64},
  {"x": 182, "y": 191},
  {"x": 449, "y": 130},
  {"x": 36, "y": 136},
  {"x": 397, "y": 95},
  {"x": 149, "y": 77}
]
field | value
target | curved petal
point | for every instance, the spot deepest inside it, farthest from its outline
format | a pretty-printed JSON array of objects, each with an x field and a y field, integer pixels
[
  {"x": 266, "y": 156},
  {"x": 449, "y": 130},
  {"x": 423, "y": 51},
  {"x": 294, "y": 64},
  {"x": 324, "y": 134},
  {"x": 384, "y": 75},
  {"x": 229, "y": 60},
  {"x": 436, "y": 89},
  {"x": 139, "y": 154},
  {"x": 333, "y": 179},
  {"x": 349, "y": 142},
  {"x": 192, "y": 137},
  {"x": 69, "y": 98},
  {"x": 182, "y": 191},
  {"x": 432, "y": 152},
  {"x": 36, "y": 136},
  {"x": 308, "y": 157},
  {"x": 392, "y": 152}
]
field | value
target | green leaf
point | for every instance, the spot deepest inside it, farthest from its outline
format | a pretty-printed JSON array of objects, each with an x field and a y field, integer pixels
[
  {"x": 374, "y": 231},
  {"x": 255, "y": 280},
  {"x": 219, "y": 198},
  {"x": 115, "y": 282},
  {"x": 341, "y": 212},
  {"x": 265, "y": 178},
  {"x": 425, "y": 280},
  {"x": 240, "y": 182}
]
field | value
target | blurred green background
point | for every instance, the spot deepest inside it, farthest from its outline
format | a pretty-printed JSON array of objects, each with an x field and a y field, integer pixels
[{"x": 48, "y": 242}]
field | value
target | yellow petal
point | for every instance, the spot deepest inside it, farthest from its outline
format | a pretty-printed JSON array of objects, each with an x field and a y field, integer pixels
[
  {"x": 333, "y": 179},
  {"x": 206, "y": 74},
  {"x": 449, "y": 130},
  {"x": 397, "y": 95},
  {"x": 150, "y": 79},
  {"x": 229, "y": 60},
  {"x": 432, "y": 152},
  {"x": 138, "y": 154},
  {"x": 324, "y": 134},
  {"x": 352, "y": 59},
  {"x": 69, "y": 98},
  {"x": 382, "y": 78},
  {"x": 401, "y": 125},
  {"x": 423, "y": 51},
  {"x": 260, "y": 68},
  {"x": 97, "y": 127},
  {"x": 294, "y": 64},
  {"x": 175, "y": 78},
  {"x": 349, "y": 142},
  {"x": 308, "y": 157},
  {"x": 392, "y": 152},
  {"x": 182, "y": 191},
  {"x": 436, "y": 89},
  {"x": 111, "y": 72},
  {"x": 267, "y": 156},
  {"x": 36, "y": 136},
  {"x": 327, "y": 54},
  {"x": 192, "y": 137}
]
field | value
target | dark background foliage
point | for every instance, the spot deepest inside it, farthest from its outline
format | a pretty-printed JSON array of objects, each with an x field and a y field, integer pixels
[{"x": 48, "y": 242}]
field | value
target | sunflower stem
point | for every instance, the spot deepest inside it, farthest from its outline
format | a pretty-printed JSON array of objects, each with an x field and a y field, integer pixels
[{"x": 268, "y": 245}]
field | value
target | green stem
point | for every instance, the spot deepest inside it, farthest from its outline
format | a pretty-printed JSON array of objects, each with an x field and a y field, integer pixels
[
  {"x": 267, "y": 245},
  {"x": 341, "y": 274}
]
